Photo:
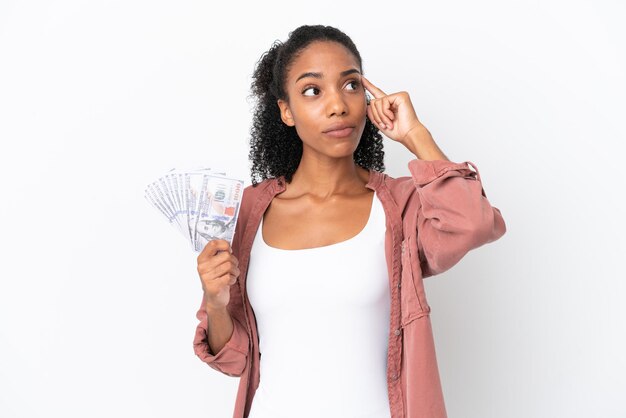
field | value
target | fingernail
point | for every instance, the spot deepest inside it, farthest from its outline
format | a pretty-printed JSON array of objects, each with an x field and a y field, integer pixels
[{"x": 382, "y": 125}]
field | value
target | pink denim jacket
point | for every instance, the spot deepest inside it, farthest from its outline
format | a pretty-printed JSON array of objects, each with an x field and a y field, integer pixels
[{"x": 434, "y": 217}]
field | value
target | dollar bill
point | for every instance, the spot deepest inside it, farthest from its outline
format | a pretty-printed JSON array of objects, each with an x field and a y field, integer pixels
[{"x": 203, "y": 204}]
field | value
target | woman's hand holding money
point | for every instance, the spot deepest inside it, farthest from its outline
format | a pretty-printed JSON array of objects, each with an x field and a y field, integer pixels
[{"x": 218, "y": 269}]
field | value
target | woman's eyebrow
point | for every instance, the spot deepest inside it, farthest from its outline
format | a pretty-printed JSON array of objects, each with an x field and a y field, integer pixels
[{"x": 320, "y": 75}]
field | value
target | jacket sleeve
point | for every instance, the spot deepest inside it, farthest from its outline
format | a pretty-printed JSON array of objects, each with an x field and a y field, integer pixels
[
  {"x": 231, "y": 359},
  {"x": 455, "y": 215}
]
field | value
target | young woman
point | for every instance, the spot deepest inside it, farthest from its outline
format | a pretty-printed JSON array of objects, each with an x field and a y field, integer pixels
[{"x": 319, "y": 305}]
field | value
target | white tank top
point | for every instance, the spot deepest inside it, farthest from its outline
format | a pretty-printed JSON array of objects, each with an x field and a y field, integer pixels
[{"x": 323, "y": 323}]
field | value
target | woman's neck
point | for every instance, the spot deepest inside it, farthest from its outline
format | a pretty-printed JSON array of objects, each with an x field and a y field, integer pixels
[{"x": 325, "y": 177}]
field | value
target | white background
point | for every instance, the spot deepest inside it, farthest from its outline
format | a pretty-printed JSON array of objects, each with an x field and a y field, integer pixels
[{"x": 98, "y": 293}]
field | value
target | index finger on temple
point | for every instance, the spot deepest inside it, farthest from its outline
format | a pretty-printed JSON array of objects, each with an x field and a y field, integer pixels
[{"x": 372, "y": 88}]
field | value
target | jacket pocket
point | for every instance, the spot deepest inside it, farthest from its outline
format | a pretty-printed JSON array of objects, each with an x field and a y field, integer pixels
[{"x": 413, "y": 302}]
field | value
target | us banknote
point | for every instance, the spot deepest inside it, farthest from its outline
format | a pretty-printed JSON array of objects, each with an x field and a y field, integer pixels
[{"x": 201, "y": 203}]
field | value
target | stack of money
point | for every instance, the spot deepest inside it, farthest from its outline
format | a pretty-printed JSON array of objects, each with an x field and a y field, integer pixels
[{"x": 203, "y": 205}]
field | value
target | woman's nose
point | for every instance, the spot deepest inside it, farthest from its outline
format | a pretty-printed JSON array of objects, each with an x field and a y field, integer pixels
[{"x": 336, "y": 104}]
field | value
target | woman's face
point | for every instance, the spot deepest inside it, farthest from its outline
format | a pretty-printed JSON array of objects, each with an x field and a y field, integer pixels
[{"x": 325, "y": 90}]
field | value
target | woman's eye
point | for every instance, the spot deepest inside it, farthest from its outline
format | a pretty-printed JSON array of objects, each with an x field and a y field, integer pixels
[
  {"x": 309, "y": 88},
  {"x": 356, "y": 84}
]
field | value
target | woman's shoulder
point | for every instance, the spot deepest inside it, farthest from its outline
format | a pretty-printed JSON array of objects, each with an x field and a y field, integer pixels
[
  {"x": 397, "y": 186},
  {"x": 253, "y": 192}
]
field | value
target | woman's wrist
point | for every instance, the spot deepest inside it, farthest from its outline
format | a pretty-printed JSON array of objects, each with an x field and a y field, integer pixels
[{"x": 421, "y": 143}]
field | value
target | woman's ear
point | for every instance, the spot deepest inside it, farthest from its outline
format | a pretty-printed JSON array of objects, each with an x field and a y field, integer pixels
[{"x": 285, "y": 113}]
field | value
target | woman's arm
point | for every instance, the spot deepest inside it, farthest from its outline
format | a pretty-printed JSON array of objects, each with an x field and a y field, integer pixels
[
  {"x": 230, "y": 358},
  {"x": 454, "y": 216}
]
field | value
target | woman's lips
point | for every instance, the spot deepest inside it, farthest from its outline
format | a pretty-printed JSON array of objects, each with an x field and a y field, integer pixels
[{"x": 340, "y": 133}]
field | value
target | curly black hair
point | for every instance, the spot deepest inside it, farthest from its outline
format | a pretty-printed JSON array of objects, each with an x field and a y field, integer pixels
[{"x": 276, "y": 148}]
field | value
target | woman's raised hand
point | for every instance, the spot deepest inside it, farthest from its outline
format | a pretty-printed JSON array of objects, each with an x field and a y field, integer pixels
[
  {"x": 393, "y": 113},
  {"x": 218, "y": 269}
]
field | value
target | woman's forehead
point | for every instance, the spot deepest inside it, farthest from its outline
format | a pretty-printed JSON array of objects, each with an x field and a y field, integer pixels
[{"x": 325, "y": 58}]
